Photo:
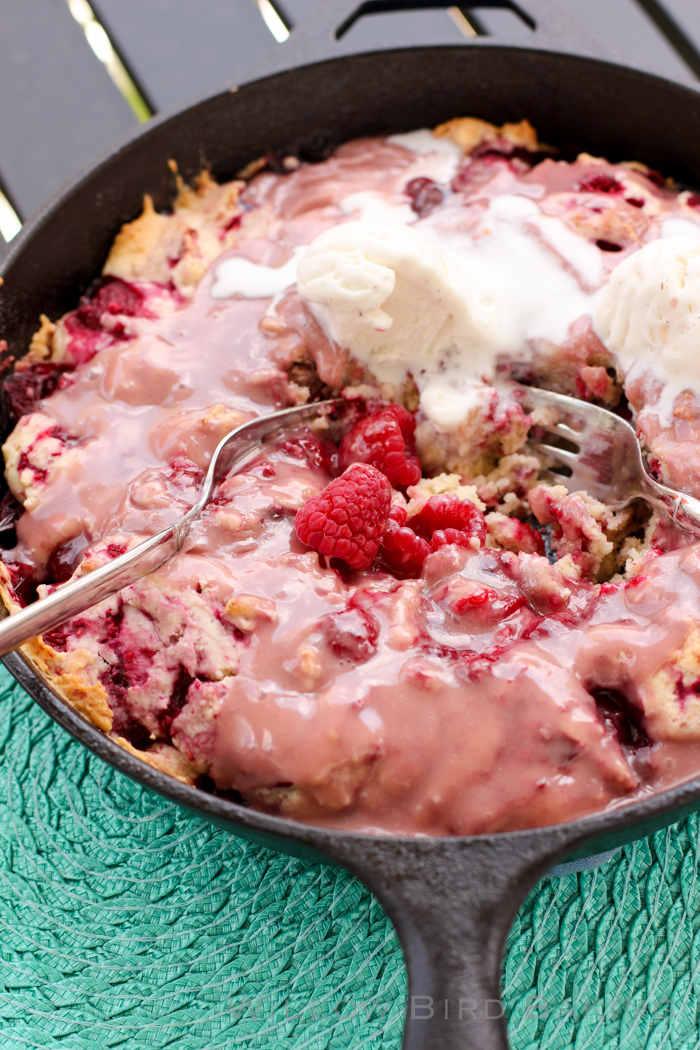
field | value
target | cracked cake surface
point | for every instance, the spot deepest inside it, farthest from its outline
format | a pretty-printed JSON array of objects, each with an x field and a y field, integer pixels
[{"x": 387, "y": 620}]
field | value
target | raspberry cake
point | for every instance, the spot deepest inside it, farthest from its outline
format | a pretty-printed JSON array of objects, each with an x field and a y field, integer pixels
[{"x": 387, "y": 620}]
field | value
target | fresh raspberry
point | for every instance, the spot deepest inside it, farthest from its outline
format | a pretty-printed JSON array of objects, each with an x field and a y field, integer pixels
[
  {"x": 23, "y": 389},
  {"x": 482, "y": 596},
  {"x": 496, "y": 607},
  {"x": 445, "y": 537},
  {"x": 398, "y": 514},
  {"x": 425, "y": 195},
  {"x": 404, "y": 552},
  {"x": 84, "y": 325},
  {"x": 385, "y": 440},
  {"x": 23, "y": 581},
  {"x": 112, "y": 296},
  {"x": 406, "y": 420},
  {"x": 655, "y": 177},
  {"x": 348, "y": 518},
  {"x": 309, "y": 448},
  {"x": 447, "y": 512},
  {"x": 351, "y": 634},
  {"x": 600, "y": 184}
]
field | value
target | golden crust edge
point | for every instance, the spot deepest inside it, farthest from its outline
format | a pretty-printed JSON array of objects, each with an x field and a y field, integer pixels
[
  {"x": 62, "y": 673},
  {"x": 470, "y": 132},
  {"x": 164, "y": 757},
  {"x": 62, "y": 670}
]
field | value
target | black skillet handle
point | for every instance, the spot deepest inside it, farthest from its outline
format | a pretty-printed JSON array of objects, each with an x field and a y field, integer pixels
[
  {"x": 323, "y": 33},
  {"x": 452, "y": 902}
]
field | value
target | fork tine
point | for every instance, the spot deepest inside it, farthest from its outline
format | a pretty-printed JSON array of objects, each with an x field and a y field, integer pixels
[
  {"x": 555, "y": 479},
  {"x": 580, "y": 479},
  {"x": 561, "y": 455},
  {"x": 571, "y": 405},
  {"x": 562, "y": 430}
]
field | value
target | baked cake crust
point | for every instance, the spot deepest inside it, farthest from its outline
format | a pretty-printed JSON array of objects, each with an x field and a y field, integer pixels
[{"x": 501, "y": 633}]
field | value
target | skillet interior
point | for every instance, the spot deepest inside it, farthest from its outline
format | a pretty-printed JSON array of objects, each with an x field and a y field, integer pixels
[{"x": 453, "y": 944}]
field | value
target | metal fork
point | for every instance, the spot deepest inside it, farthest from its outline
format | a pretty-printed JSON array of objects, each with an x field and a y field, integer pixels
[
  {"x": 608, "y": 462},
  {"x": 234, "y": 450}
]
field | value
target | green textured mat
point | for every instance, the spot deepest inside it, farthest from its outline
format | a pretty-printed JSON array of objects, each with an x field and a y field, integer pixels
[{"x": 125, "y": 923}]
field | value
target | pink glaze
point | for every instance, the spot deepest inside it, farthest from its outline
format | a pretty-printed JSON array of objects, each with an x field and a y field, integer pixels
[
  {"x": 455, "y": 703},
  {"x": 482, "y": 737}
]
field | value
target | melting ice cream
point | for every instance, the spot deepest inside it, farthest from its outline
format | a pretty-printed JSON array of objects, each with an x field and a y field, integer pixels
[
  {"x": 444, "y": 304},
  {"x": 648, "y": 316}
]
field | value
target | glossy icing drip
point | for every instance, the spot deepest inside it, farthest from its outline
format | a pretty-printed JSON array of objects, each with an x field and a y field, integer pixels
[{"x": 490, "y": 692}]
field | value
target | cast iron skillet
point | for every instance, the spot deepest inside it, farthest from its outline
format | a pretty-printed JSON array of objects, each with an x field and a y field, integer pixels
[{"x": 452, "y": 900}]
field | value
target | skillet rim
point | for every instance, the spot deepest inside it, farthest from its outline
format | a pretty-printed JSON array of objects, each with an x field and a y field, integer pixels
[{"x": 625, "y": 817}]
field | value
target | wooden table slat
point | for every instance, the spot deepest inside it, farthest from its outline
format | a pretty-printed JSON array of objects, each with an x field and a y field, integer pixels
[
  {"x": 623, "y": 24},
  {"x": 59, "y": 108},
  {"x": 63, "y": 107},
  {"x": 179, "y": 51},
  {"x": 686, "y": 16},
  {"x": 394, "y": 29}
]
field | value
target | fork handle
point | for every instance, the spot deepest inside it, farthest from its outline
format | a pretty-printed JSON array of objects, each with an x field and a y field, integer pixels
[
  {"x": 682, "y": 509},
  {"x": 75, "y": 597},
  {"x": 231, "y": 454}
]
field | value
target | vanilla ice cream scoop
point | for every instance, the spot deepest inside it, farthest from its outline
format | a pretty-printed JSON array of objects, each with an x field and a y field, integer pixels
[
  {"x": 402, "y": 305},
  {"x": 648, "y": 316}
]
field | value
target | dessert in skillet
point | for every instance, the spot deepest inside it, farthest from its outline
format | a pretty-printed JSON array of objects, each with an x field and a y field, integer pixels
[{"x": 387, "y": 620}]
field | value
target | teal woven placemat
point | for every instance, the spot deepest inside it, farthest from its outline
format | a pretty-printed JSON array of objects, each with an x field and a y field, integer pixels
[{"x": 126, "y": 923}]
